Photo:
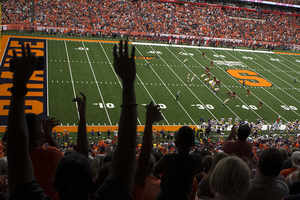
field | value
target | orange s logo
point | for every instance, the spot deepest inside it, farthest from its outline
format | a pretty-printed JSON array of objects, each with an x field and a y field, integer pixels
[{"x": 251, "y": 78}]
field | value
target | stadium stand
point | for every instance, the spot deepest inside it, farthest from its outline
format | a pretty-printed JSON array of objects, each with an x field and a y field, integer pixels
[
  {"x": 203, "y": 21},
  {"x": 115, "y": 174},
  {"x": 121, "y": 170}
]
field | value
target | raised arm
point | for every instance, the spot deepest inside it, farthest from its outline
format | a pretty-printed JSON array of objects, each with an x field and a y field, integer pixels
[
  {"x": 19, "y": 163},
  {"x": 144, "y": 157},
  {"x": 123, "y": 162},
  {"x": 82, "y": 143},
  {"x": 48, "y": 125},
  {"x": 232, "y": 134}
]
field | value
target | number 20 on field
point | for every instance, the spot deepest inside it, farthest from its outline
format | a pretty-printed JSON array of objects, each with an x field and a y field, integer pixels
[{"x": 251, "y": 78}]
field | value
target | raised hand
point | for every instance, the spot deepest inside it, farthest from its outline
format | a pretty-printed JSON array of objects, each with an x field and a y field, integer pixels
[
  {"x": 24, "y": 67},
  {"x": 123, "y": 64},
  {"x": 49, "y": 124},
  {"x": 82, "y": 144},
  {"x": 81, "y": 104},
  {"x": 152, "y": 113}
]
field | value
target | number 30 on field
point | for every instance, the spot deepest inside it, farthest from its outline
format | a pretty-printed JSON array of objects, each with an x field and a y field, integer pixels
[{"x": 251, "y": 78}]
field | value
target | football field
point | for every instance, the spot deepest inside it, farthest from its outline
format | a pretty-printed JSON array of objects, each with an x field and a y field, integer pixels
[
  {"x": 75, "y": 66},
  {"x": 78, "y": 66}
]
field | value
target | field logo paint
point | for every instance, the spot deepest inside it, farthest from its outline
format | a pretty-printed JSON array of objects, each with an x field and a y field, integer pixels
[
  {"x": 36, "y": 98},
  {"x": 219, "y": 56},
  {"x": 251, "y": 78},
  {"x": 155, "y": 52},
  {"x": 229, "y": 63}
]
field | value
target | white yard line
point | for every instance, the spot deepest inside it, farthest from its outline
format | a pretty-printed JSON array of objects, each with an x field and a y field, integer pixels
[
  {"x": 281, "y": 69},
  {"x": 290, "y": 62},
  {"x": 187, "y": 88},
  {"x": 72, "y": 81},
  {"x": 273, "y": 75},
  {"x": 104, "y": 106},
  {"x": 147, "y": 89},
  {"x": 47, "y": 70},
  {"x": 230, "y": 89},
  {"x": 200, "y": 79},
  {"x": 264, "y": 90},
  {"x": 112, "y": 68},
  {"x": 197, "y": 47},
  {"x": 172, "y": 93}
]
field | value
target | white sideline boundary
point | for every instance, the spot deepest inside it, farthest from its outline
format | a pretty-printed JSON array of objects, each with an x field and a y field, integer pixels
[
  {"x": 201, "y": 47},
  {"x": 263, "y": 128}
]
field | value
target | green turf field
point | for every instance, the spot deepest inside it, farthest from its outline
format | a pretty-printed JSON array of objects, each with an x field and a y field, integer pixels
[{"x": 76, "y": 66}]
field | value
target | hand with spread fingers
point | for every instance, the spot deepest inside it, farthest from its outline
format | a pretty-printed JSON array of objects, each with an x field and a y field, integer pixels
[
  {"x": 24, "y": 67},
  {"x": 123, "y": 64},
  {"x": 49, "y": 124}
]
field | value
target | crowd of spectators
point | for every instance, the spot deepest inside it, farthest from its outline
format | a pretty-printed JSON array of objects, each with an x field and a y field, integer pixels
[
  {"x": 242, "y": 166},
  {"x": 156, "y": 18}
]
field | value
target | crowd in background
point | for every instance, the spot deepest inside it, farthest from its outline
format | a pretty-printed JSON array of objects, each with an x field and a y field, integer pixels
[
  {"x": 245, "y": 165},
  {"x": 158, "y": 18},
  {"x": 183, "y": 165}
]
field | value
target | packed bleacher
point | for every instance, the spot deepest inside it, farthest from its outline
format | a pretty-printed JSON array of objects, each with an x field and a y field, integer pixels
[
  {"x": 203, "y": 20},
  {"x": 252, "y": 162},
  {"x": 39, "y": 163}
]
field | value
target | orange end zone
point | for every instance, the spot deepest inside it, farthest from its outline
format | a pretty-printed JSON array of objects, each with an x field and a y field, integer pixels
[{"x": 105, "y": 128}]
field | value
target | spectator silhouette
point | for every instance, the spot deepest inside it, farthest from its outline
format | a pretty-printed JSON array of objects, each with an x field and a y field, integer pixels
[
  {"x": 264, "y": 186},
  {"x": 143, "y": 165},
  {"x": 178, "y": 169},
  {"x": 239, "y": 147},
  {"x": 118, "y": 185}
]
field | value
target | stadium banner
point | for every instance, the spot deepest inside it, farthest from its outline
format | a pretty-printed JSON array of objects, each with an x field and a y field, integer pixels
[
  {"x": 134, "y": 33},
  {"x": 36, "y": 98},
  {"x": 272, "y": 3},
  {"x": 233, "y": 7}
]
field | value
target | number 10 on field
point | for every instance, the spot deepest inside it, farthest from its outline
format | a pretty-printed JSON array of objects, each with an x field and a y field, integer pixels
[{"x": 101, "y": 105}]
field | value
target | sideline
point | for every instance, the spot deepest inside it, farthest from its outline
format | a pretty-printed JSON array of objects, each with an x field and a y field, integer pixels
[
  {"x": 105, "y": 128},
  {"x": 6, "y": 37},
  {"x": 139, "y": 128}
]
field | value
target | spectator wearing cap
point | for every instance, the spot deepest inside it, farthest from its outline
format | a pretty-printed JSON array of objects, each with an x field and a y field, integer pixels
[
  {"x": 288, "y": 162},
  {"x": 294, "y": 160},
  {"x": 239, "y": 147},
  {"x": 294, "y": 176},
  {"x": 265, "y": 186}
]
